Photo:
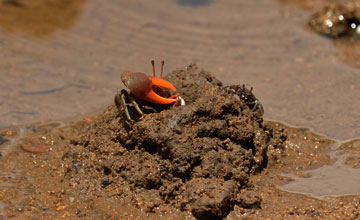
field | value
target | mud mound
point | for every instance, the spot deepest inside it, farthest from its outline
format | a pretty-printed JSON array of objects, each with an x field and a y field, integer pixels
[{"x": 197, "y": 157}]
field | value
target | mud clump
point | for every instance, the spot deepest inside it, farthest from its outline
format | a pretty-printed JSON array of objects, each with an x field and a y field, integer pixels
[{"x": 197, "y": 158}]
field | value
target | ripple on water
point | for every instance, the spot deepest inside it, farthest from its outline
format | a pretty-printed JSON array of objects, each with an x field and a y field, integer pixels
[{"x": 193, "y": 3}]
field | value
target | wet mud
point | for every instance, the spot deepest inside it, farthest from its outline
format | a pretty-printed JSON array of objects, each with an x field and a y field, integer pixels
[
  {"x": 305, "y": 152},
  {"x": 210, "y": 159}
]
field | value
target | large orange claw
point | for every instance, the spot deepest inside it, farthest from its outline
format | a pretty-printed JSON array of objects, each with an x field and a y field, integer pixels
[
  {"x": 151, "y": 96},
  {"x": 162, "y": 83}
]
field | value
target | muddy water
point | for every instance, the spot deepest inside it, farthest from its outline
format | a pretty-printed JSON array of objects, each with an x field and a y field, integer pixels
[
  {"x": 55, "y": 69},
  {"x": 340, "y": 178}
]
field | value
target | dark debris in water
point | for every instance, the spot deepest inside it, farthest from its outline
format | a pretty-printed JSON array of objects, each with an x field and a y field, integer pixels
[
  {"x": 14, "y": 3},
  {"x": 194, "y": 3},
  {"x": 337, "y": 19},
  {"x": 2, "y": 140}
]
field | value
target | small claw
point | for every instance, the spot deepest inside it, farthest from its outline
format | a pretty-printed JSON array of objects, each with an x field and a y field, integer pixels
[
  {"x": 181, "y": 100},
  {"x": 258, "y": 105}
]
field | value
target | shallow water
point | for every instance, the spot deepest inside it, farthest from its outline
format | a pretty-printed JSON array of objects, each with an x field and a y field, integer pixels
[
  {"x": 333, "y": 180},
  {"x": 56, "y": 69},
  {"x": 328, "y": 181}
]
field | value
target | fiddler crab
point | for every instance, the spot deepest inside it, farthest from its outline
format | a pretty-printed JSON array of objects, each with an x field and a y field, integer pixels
[
  {"x": 247, "y": 96},
  {"x": 150, "y": 90}
]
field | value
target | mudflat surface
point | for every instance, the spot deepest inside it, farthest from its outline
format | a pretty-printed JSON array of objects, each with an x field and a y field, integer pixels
[
  {"x": 213, "y": 158},
  {"x": 58, "y": 69}
]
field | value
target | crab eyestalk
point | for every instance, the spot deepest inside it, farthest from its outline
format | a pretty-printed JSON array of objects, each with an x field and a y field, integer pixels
[
  {"x": 153, "y": 66},
  {"x": 162, "y": 68}
]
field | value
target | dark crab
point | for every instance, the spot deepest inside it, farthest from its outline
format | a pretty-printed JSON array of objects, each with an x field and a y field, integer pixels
[{"x": 247, "y": 96}]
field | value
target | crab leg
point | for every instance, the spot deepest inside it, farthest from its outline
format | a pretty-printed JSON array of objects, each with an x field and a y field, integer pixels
[
  {"x": 135, "y": 105},
  {"x": 122, "y": 105},
  {"x": 118, "y": 101},
  {"x": 257, "y": 104}
]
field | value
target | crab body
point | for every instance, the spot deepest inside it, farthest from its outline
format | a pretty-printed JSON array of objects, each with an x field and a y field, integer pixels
[
  {"x": 147, "y": 88},
  {"x": 247, "y": 96}
]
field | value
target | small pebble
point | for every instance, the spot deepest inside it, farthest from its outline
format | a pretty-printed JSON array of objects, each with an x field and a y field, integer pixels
[{"x": 34, "y": 148}]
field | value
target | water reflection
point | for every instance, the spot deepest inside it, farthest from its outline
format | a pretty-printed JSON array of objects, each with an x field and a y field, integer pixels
[
  {"x": 335, "y": 180},
  {"x": 337, "y": 21},
  {"x": 350, "y": 50},
  {"x": 303, "y": 4},
  {"x": 77, "y": 70},
  {"x": 39, "y": 17},
  {"x": 194, "y": 3},
  {"x": 339, "y": 179}
]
